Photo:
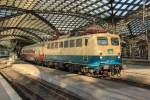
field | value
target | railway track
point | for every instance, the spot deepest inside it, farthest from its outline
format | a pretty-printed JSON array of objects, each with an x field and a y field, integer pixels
[
  {"x": 32, "y": 88},
  {"x": 32, "y": 95},
  {"x": 114, "y": 79}
]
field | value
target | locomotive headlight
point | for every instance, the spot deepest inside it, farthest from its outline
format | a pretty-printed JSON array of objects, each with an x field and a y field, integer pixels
[
  {"x": 119, "y": 54},
  {"x": 100, "y": 55}
]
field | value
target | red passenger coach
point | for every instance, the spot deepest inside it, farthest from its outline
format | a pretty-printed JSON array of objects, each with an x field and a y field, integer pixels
[
  {"x": 28, "y": 54},
  {"x": 33, "y": 53},
  {"x": 40, "y": 57}
]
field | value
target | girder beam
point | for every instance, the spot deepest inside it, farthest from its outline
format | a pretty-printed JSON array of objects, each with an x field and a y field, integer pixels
[{"x": 26, "y": 32}]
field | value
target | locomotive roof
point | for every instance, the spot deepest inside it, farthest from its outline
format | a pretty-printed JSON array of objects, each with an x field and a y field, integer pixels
[{"x": 89, "y": 35}]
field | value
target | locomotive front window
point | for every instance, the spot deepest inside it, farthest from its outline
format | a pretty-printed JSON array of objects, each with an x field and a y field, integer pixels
[
  {"x": 115, "y": 41},
  {"x": 102, "y": 41}
]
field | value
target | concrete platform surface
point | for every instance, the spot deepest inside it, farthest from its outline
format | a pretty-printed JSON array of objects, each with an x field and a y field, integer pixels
[
  {"x": 137, "y": 73},
  {"x": 6, "y": 91},
  {"x": 87, "y": 87},
  {"x": 135, "y": 61}
]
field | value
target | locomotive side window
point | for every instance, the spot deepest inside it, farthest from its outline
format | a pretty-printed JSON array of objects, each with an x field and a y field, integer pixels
[
  {"x": 115, "y": 41},
  {"x": 72, "y": 43},
  {"x": 86, "y": 42},
  {"x": 79, "y": 43},
  {"x": 61, "y": 44},
  {"x": 102, "y": 41},
  {"x": 65, "y": 44}
]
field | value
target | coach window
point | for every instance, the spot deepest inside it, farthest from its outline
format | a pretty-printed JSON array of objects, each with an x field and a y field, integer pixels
[
  {"x": 52, "y": 45},
  {"x": 65, "y": 44},
  {"x": 86, "y": 42},
  {"x": 72, "y": 43},
  {"x": 42, "y": 44},
  {"x": 56, "y": 44},
  {"x": 49, "y": 45},
  {"x": 60, "y": 44},
  {"x": 78, "y": 42}
]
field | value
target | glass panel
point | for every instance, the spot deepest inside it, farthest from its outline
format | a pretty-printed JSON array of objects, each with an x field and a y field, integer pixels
[
  {"x": 52, "y": 45},
  {"x": 78, "y": 42},
  {"x": 136, "y": 8},
  {"x": 72, "y": 43},
  {"x": 115, "y": 41},
  {"x": 124, "y": 13},
  {"x": 49, "y": 45},
  {"x": 86, "y": 42},
  {"x": 66, "y": 44},
  {"x": 102, "y": 41},
  {"x": 56, "y": 44},
  {"x": 118, "y": 13},
  {"x": 61, "y": 45},
  {"x": 118, "y": 6}
]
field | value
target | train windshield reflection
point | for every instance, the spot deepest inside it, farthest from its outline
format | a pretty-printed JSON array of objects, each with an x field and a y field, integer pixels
[
  {"x": 115, "y": 41},
  {"x": 102, "y": 41}
]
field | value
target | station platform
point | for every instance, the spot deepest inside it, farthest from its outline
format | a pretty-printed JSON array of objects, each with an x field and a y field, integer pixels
[
  {"x": 6, "y": 91},
  {"x": 130, "y": 61},
  {"x": 86, "y": 87},
  {"x": 137, "y": 73}
]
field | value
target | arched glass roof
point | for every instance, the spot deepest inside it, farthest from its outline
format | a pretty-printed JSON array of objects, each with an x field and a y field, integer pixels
[{"x": 41, "y": 19}]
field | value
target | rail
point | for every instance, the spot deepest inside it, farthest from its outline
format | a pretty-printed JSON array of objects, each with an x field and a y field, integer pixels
[{"x": 32, "y": 88}]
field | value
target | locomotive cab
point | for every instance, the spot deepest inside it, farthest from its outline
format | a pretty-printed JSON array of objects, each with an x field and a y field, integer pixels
[
  {"x": 108, "y": 46},
  {"x": 109, "y": 51}
]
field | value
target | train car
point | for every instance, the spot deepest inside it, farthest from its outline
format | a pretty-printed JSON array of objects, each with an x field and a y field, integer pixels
[
  {"x": 4, "y": 53},
  {"x": 27, "y": 53},
  {"x": 95, "y": 53},
  {"x": 33, "y": 53}
]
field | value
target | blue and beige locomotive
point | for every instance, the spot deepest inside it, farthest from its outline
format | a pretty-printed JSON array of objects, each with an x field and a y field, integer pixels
[{"x": 90, "y": 54}]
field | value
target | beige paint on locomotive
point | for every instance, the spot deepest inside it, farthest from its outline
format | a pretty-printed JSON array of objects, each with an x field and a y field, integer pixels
[{"x": 91, "y": 49}]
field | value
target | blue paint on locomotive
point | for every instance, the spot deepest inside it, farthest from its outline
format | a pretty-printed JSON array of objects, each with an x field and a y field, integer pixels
[{"x": 94, "y": 62}]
